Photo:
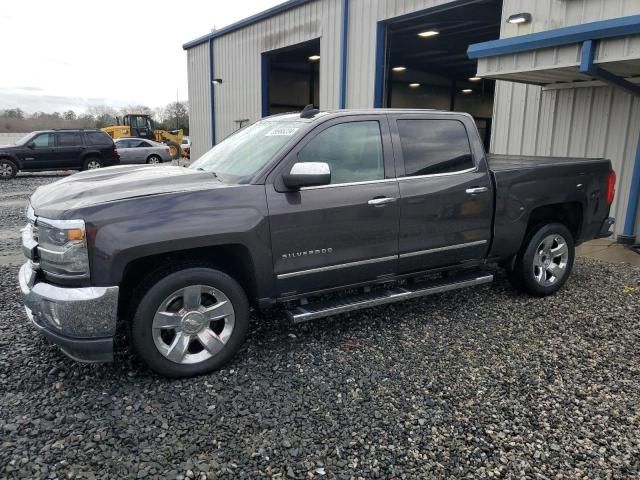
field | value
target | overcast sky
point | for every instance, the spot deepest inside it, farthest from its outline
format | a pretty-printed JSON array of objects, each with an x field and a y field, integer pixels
[{"x": 69, "y": 54}]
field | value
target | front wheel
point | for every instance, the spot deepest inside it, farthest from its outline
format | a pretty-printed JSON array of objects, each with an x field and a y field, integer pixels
[
  {"x": 190, "y": 322},
  {"x": 154, "y": 160},
  {"x": 174, "y": 150},
  {"x": 8, "y": 169},
  {"x": 545, "y": 261}
]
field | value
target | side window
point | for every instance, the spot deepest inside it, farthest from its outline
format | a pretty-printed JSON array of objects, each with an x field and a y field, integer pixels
[
  {"x": 98, "y": 138},
  {"x": 434, "y": 146},
  {"x": 69, "y": 139},
  {"x": 44, "y": 140},
  {"x": 353, "y": 151},
  {"x": 122, "y": 144},
  {"x": 142, "y": 144}
]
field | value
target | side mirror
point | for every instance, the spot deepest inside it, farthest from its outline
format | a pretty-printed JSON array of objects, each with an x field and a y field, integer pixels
[
  {"x": 31, "y": 145},
  {"x": 309, "y": 174}
]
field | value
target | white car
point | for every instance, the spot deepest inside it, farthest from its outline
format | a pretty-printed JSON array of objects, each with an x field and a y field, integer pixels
[
  {"x": 140, "y": 150},
  {"x": 186, "y": 147}
]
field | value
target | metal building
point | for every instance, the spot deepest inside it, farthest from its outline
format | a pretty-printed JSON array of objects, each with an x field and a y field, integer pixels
[{"x": 545, "y": 77}]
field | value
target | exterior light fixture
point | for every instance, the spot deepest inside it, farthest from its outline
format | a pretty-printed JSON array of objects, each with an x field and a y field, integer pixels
[
  {"x": 314, "y": 58},
  {"x": 474, "y": 79},
  {"x": 414, "y": 85},
  {"x": 519, "y": 18},
  {"x": 429, "y": 33},
  {"x": 216, "y": 81},
  {"x": 467, "y": 91},
  {"x": 399, "y": 69}
]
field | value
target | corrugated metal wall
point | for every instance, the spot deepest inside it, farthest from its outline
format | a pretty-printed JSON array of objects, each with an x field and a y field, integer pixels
[
  {"x": 199, "y": 99},
  {"x": 237, "y": 60},
  {"x": 583, "y": 121}
]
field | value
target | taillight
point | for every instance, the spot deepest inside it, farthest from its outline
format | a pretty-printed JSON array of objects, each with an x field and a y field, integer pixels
[
  {"x": 115, "y": 151},
  {"x": 611, "y": 187}
]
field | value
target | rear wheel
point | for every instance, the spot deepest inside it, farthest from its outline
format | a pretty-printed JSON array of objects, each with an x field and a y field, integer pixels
[
  {"x": 545, "y": 262},
  {"x": 154, "y": 159},
  {"x": 92, "y": 163},
  {"x": 190, "y": 322},
  {"x": 8, "y": 169}
]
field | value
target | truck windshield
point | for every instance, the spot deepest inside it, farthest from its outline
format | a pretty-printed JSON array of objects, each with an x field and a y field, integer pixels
[{"x": 241, "y": 155}]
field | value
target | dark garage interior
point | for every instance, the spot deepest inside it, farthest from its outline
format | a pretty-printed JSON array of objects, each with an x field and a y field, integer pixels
[
  {"x": 427, "y": 63},
  {"x": 291, "y": 78}
]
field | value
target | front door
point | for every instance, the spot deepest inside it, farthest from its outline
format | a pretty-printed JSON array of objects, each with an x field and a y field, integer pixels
[
  {"x": 39, "y": 155},
  {"x": 345, "y": 232},
  {"x": 446, "y": 194}
]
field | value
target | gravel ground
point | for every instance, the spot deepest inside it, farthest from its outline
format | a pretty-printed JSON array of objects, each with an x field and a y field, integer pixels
[{"x": 480, "y": 383}]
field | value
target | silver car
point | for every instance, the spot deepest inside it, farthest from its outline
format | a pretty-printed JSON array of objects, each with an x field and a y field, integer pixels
[{"x": 139, "y": 150}]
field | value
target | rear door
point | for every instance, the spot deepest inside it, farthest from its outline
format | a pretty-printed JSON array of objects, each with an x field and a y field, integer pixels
[
  {"x": 345, "y": 232},
  {"x": 68, "y": 149},
  {"x": 446, "y": 196}
]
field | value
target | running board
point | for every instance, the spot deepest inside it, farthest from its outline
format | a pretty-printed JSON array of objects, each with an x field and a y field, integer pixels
[{"x": 306, "y": 312}]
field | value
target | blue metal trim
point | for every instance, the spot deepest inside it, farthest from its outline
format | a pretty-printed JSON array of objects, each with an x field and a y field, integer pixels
[
  {"x": 634, "y": 197},
  {"x": 283, "y": 7},
  {"x": 343, "y": 64},
  {"x": 617, "y": 27},
  {"x": 264, "y": 80},
  {"x": 213, "y": 94},
  {"x": 378, "y": 94},
  {"x": 589, "y": 68}
]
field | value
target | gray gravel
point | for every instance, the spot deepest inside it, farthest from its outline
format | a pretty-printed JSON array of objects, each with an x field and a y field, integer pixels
[{"x": 479, "y": 383}]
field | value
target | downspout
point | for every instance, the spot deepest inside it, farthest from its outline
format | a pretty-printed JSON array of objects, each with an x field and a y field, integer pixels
[
  {"x": 213, "y": 94},
  {"x": 343, "y": 64}
]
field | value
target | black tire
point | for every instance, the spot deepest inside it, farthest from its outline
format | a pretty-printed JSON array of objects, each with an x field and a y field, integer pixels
[
  {"x": 529, "y": 273},
  {"x": 89, "y": 163},
  {"x": 154, "y": 293},
  {"x": 8, "y": 169},
  {"x": 154, "y": 159},
  {"x": 177, "y": 150}
]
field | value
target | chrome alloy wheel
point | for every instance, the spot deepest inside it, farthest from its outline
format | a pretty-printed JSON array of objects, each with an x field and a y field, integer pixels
[
  {"x": 6, "y": 169},
  {"x": 93, "y": 164},
  {"x": 550, "y": 260},
  {"x": 154, "y": 161},
  {"x": 193, "y": 324}
]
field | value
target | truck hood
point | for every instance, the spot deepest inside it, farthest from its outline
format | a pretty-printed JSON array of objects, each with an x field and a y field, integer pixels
[{"x": 112, "y": 184}]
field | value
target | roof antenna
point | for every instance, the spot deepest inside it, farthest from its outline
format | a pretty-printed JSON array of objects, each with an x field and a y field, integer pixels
[{"x": 309, "y": 112}]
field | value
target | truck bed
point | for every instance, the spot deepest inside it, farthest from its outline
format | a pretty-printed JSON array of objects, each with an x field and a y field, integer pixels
[{"x": 525, "y": 183}]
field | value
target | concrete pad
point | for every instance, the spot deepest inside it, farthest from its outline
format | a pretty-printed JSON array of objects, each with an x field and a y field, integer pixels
[{"x": 608, "y": 251}]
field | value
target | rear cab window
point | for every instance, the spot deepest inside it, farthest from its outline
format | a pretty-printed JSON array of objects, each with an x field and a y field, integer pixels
[{"x": 434, "y": 146}]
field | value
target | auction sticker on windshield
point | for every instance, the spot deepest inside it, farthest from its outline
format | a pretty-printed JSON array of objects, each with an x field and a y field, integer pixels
[{"x": 282, "y": 132}]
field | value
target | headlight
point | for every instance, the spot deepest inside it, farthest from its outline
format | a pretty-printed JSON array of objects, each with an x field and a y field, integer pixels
[{"x": 62, "y": 248}]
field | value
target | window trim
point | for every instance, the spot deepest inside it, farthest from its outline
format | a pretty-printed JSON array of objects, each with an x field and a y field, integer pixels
[{"x": 399, "y": 154}]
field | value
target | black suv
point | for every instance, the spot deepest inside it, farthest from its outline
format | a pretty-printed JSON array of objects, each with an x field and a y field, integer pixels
[{"x": 58, "y": 150}]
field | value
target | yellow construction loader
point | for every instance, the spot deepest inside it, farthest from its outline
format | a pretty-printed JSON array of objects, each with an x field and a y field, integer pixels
[{"x": 141, "y": 126}]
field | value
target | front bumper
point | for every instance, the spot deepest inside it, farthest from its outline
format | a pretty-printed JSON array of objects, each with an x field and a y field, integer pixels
[{"x": 81, "y": 321}]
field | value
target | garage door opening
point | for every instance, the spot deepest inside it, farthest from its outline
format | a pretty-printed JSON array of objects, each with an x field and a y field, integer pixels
[
  {"x": 426, "y": 64},
  {"x": 291, "y": 78}
]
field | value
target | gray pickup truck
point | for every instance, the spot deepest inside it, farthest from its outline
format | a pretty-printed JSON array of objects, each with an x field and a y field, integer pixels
[{"x": 323, "y": 212}]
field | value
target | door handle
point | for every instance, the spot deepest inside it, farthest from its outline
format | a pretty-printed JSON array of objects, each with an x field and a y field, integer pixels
[
  {"x": 476, "y": 190},
  {"x": 380, "y": 202}
]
